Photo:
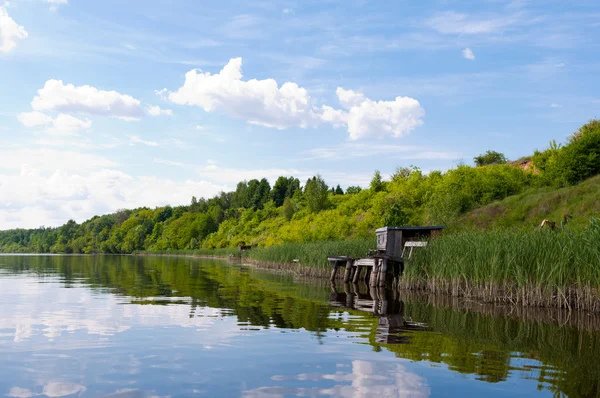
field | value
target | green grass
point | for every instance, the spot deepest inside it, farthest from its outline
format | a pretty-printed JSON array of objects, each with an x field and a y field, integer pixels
[
  {"x": 581, "y": 201},
  {"x": 528, "y": 266}
]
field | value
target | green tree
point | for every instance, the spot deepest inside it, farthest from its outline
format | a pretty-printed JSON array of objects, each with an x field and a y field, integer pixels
[
  {"x": 288, "y": 209},
  {"x": 488, "y": 158},
  {"x": 579, "y": 159},
  {"x": 377, "y": 183},
  {"x": 315, "y": 194},
  {"x": 353, "y": 189},
  {"x": 339, "y": 190},
  {"x": 283, "y": 188}
]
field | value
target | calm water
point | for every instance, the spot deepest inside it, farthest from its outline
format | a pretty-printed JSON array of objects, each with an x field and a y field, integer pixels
[{"x": 141, "y": 326}]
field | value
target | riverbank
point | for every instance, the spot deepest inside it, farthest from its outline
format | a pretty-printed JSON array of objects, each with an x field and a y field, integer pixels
[
  {"x": 525, "y": 267},
  {"x": 294, "y": 269}
]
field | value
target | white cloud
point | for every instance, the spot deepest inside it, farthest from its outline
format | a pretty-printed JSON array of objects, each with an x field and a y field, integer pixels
[
  {"x": 57, "y": 1},
  {"x": 157, "y": 111},
  {"x": 33, "y": 119},
  {"x": 554, "y": 105},
  {"x": 263, "y": 102},
  {"x": 48, "y": 187},
  {"x": 10, "y": 32},
  {"x": 359, "y": 150},
  {"x": 259, "y": 102},
  {"x": 57, "y": 96},
  {"x": 134, "y": 139},
  {"x": 67, "y": 124},
  {"x": 463, "y": 24},
  {"x": 63, "y": 124},
  {"x": 164, "y": 93},
  {"x": 368, "y": 118},
  {"x": 467, "y": 53}
]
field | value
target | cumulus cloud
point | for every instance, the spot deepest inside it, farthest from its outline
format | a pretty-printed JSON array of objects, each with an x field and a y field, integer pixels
[
  {"x": 260, "y": 102},
  {"x": 368, "y": 118},
  {"x": 265, "y": 103},
  {"x": 10, "y": 32},
  {"x": 57, "y": 96},
  {"x": 157, "y": 111},
  {"x": 33, "y": 119},
  {"x": 467, "y": 53},
  {"x": 63, "y": 124}
]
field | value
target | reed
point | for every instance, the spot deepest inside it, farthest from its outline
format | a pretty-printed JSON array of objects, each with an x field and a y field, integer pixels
[{"x": 528, "y": 267}]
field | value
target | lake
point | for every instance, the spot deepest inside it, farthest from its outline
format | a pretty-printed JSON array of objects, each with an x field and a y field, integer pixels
[{"x": 125, "y": 326}]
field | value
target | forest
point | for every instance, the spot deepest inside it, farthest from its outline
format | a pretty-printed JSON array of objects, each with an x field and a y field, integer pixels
[{"x": 291, "y": 211}]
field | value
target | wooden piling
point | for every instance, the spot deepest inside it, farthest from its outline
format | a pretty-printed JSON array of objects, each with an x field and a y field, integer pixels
[
  {"x": 348, "y": 271},
  {"x": 349, "y": 296},
  {"x": 357, "y": 274},
  {"x": 374, "y": 274},
  {"x": 383, "y": 272},
  {"x": 334, "y": 272}
]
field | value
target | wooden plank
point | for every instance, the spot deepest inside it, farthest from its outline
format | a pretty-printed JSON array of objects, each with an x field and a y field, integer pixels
[
  {"x": 338, "y": 258},
  {"x": 415, "y": 244},
  {"x": 365, "y": 262}
]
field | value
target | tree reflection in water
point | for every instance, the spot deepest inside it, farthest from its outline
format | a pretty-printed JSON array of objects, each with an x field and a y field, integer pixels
[{"x": 561, "y": 357}]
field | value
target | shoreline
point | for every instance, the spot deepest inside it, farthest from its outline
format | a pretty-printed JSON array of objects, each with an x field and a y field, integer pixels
[
  {"x": 294, "y": 269},
  {"x": 586, "y": 300}
]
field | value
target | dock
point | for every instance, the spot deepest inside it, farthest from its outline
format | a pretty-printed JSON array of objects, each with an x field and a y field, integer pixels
[{"x": 385, "y": 264}]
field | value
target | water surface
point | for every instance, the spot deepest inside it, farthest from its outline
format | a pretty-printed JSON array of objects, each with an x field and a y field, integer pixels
[{"x": 125, "y": 326}]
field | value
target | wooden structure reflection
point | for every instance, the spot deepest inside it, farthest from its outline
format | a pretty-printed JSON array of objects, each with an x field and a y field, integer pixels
[{"x": 384, "y": 303}]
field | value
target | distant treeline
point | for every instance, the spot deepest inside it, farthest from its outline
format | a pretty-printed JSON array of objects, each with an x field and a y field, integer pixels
[{"x": 260, "y": 214}]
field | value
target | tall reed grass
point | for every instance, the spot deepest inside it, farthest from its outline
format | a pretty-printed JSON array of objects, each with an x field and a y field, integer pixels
[{"x": 531, "y": 267}]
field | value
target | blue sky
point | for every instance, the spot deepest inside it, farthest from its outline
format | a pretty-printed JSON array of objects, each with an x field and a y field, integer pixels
[{"x": 112, "y": 104}]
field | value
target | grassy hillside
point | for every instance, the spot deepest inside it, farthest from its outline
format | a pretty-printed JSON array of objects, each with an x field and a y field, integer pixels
[{"x": 581, "y": 201}]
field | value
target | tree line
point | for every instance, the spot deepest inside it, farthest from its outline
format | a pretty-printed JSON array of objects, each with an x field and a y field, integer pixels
[{"x": 260, "y": 214}]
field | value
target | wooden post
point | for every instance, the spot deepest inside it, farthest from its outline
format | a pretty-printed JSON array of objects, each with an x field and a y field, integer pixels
[
  {"x": 348, "y": 271},
  {"x": 334, "y": 272},
  {"x": 373, "y": 279},
  {"x": 357, "y": 274},
  {"x": 349, "y": 296},
  {"x": 383, "y": 272},
  {"x": 352, "y": 273}
]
